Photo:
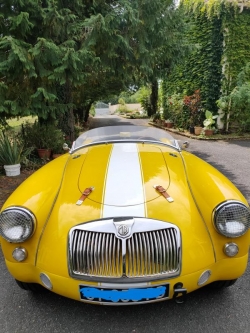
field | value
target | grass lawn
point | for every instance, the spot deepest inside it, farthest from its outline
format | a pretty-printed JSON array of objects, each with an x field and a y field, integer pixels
[{"x": 17, "y": 122}]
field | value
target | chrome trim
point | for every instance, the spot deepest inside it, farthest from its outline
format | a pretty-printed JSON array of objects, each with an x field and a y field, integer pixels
[
  {"x": 200, "y": 281},
  {"x": 228, "y": 203},
  {"x": 73, "y": 150},
  {"x": 151, "y": 251},
  {"x": 106, "y": 285},
  {"x": 228, "y": 245},
  {"x": 23, "y": 211},
  {"x": 23, "y": 250},
  {"x": 126, "y": 286},
  {"x": 125, "y": 303},
  {"x": 48, "y": 283}
]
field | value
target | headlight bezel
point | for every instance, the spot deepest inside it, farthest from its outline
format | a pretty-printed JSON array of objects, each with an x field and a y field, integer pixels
[
  {"x": 224, "y": 230},
  {"x": 28, "y": 226}
]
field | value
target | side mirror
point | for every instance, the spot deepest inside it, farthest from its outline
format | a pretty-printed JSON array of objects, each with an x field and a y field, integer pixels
[{"x": 185, "y": 145}]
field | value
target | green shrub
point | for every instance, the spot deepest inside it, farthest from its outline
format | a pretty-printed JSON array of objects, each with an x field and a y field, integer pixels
[
  {"x": 122, "y": 108},
  {"x": 12, "y": 150},
  {"x": 42, "y": 136}
]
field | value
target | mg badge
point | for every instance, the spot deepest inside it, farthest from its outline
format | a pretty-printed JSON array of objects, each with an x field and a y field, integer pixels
[
  {"x": 123, "y": 230},
  {"x": 123, "y": 226}
]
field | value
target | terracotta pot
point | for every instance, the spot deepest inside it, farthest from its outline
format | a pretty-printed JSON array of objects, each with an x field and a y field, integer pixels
[
  {"x": 44, "y": 153},
  {"x": 56, "y": 155},
  {"x": 169, "y": 125},
  {"x": 208, "y": 132},
  {"x": 198, "y": 130}
]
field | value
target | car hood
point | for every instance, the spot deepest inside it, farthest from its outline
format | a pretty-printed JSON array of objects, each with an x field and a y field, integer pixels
[
  {"x": 156, "y": 165},
  {"x": 128, "y": 172},
  {"x": 123, "y": 177}
]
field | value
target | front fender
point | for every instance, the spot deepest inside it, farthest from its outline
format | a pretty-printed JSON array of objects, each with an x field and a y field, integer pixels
[
  {"x": 209, "y": 188},
  {"x": 38, "y": 194}
]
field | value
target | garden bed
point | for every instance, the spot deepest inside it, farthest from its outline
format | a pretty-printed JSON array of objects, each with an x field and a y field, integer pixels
[{"x": 218, "y": 136}]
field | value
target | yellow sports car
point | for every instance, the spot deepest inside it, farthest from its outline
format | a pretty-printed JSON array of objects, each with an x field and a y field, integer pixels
[{"x": 125, "y": 217}]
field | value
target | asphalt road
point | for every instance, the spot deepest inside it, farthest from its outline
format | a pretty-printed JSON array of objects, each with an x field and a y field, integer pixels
[{"x": 204, "y": 311}]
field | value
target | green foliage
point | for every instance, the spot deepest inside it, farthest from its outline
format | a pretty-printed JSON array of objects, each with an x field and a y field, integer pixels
[
  {"x": 144, "y": 99},
  {"x": 42, "y": 136},
  {"x": 194, "y": 105},
  {"x": 122, "y": 108},
  {"x": 92, "y": 110},
  {"x": 156, "y": 116},
  {"x": 201, "y": 68},
  {"x": 237, "y": 48},
  {"x": 121, "y": 101},
  {"x": 236, "y": 105},
  {"x": 209, "y": 121},
  {"x": 56, "y": 56},
  {"x": 175, "y": 109},
  {"x": 240, "y": 107},
  {"x": 130, "y": 96},
  {"x": 12, "y": 150},
  {"x": 218, "y": 35},
  {"x": 185, "y": 111}
]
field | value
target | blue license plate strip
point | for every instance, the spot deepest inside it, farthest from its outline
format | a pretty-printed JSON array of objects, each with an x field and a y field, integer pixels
[{"x": 130, "y": 295}]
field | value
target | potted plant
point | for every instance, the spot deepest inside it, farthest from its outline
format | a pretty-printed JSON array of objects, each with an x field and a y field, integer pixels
[
  {"x": 157, "y": 118},
  {"x": 12, "y": 153},
  {"x": 169, "y": 123},
  {"x": 43, "y": 137},
  {"x": 208, "y": 123},
  {"x": 196, "y": 114},
  {"x": 198, "y": 130},
  {"x": 57, "y": 147}
]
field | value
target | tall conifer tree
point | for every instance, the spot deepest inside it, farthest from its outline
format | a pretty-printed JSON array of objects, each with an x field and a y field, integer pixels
[{"x": 57, "y": 56}]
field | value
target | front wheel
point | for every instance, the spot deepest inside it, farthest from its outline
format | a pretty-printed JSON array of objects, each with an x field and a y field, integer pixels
[
  {"x": 222, "y": 284},
  {"x": 34, "y": 287}
]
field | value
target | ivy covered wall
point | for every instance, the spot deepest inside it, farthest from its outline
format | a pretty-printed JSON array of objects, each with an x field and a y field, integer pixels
[
  {"x": 218, "y": 37},
  {"x": 236, "y": 51}
]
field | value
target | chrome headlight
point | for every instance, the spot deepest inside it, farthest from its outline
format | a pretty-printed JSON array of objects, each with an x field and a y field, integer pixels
[
  {"x": 232, "y": 218},
  {"x": 16, "y": 224}
]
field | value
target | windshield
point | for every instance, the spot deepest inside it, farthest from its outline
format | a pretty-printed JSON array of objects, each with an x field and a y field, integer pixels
[{"x": 124, "y": 133}]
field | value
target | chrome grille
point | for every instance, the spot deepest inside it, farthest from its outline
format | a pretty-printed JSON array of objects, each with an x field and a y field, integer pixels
[
  {"x": 96, "y": 254},
  {"x": 152, "y": 253},
  {"x": 151, "y": 249}
]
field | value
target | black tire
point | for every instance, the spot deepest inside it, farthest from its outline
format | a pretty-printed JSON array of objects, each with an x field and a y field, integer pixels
[
  {"x": 34, "y": 287},
  {"x": 222, "y": 284}
]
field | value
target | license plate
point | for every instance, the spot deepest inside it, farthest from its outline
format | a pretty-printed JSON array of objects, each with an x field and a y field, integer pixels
[{"x": 131, "y": 295}]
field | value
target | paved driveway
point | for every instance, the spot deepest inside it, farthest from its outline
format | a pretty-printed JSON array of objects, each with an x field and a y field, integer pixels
[{"x": 204, "y": 312}]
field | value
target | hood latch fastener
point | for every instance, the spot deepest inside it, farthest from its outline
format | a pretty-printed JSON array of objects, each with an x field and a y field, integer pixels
[
  {"x": 163, "y": 192},
  {"x": 84, "y": 195}
]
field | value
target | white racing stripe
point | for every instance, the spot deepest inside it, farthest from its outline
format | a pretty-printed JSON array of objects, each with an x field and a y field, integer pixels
[{"x": 124, "y": 194}]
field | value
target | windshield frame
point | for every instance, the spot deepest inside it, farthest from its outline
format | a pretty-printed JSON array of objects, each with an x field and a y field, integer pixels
[{"x": 124, "y": 134}]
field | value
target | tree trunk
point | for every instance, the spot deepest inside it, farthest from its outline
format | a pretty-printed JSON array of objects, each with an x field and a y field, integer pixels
[
  {"x": 154, "y": 97},
  {"x": 82, "y": 114},
  {"x": 87, "y": 109},
  {"x": 71, "y": 124}
]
